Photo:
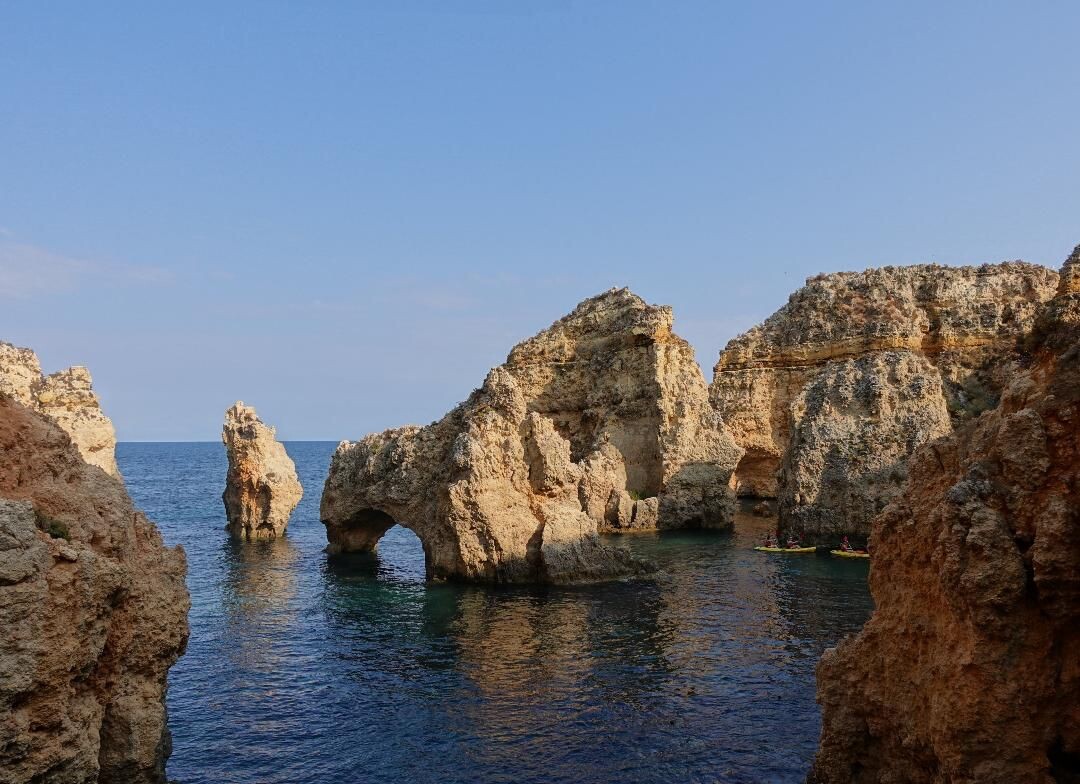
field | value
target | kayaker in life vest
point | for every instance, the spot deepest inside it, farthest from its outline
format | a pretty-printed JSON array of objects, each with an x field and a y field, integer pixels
[
  {"x": 792, "y": 542},
  {"x": 845, "y": 545},
  {"x": 770, "y": 541}
]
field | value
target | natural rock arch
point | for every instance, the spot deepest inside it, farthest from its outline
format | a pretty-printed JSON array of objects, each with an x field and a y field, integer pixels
[{"x": 601, "y": 422}]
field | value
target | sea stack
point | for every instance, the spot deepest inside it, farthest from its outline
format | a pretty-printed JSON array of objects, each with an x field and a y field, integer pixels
[
  {"x": 599, "y": 423},
  {"x": 261, "y": 487},
  {"x": 67, "y": 397},
  {"x": 833, "y": 392},
  {"x": 93, "y": 613},
  {"x": 969, "y": 670}
]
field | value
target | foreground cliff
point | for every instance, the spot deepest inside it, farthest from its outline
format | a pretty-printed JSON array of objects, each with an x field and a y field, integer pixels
[
  {"x": 601, "y": 422},
  {"x": 833, "y": 392},
  {"x": 66, "y": 397},
  {"x": 969, "y": 670},
  {"x": 261, "y": 486},
  {"x": 93, "y": 612}
]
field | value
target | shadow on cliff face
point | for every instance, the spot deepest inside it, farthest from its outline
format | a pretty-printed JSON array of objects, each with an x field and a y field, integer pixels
[
  {"x": 844, "y": 501},
  {"x": 968, "y": 670},
  {"x": 755, "y": 476},
  {"x": 697, "y": 496}
]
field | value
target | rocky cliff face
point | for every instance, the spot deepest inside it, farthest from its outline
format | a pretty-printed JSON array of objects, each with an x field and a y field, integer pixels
[
  {"x": 67, "y": 397},
  {"x": 261, "y": 486},
  {"x": 600, "y": 422},
  {"x": 969, "y": 670},
  {"x": 832, "y": 392},
  {"x": 93, "y": 610}
]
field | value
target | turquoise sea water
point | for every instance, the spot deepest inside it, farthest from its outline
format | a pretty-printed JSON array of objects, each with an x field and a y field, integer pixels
[{"x": 305, "y": 669}]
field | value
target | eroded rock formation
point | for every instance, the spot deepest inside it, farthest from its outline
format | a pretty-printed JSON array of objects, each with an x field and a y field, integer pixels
[
  {"x": 67, "y": 397},
  {"x": 969, "y": 670},
  {"x": 261, "y": 486},
  {"x": 832, "y": 393},
  {"x": 600, "y": 422},
  {"x": 93, "y": 612}
]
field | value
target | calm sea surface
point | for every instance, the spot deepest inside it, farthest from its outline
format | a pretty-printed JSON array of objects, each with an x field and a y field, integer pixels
[{"x": 304, "y": 669}]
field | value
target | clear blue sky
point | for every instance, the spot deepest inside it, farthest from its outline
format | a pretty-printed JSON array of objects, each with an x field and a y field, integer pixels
[{"x": 345, "y": 213}]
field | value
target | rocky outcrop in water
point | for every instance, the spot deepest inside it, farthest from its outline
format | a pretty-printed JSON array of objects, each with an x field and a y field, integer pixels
[
  {"x": 261, "y": 486},
  {"x": 832, "y": 393},
  {"x": 601, "y": 422},
  {"x": 67, "y": 397},
  {"x": 969, "y": 670},
  {"x": 93, "y": 612}
]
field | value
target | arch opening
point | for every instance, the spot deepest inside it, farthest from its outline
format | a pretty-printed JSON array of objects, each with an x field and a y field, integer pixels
[
  {"x": 755, "y": 476},
  {"x": 364, "y": 529},
  {"x": 403, "y": 550}
]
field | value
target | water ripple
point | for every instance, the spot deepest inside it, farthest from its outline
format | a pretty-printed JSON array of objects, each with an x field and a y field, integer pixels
[{"x": 304, "y": 669}]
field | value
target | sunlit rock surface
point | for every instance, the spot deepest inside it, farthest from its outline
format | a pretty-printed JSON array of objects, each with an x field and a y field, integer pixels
[
  {"x": 261, "y": 486},
  {"x": 832, "y": 393},
  {"x": 67, "y": 397},
  {"x": 969, "y": 670},
  {"x": 93, "y": 612},
  {"x": 601, "y": 422}
]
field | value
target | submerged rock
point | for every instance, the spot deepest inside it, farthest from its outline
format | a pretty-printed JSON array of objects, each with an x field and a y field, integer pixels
[
  {"x": 832, "y": 393},
  {"x": 969, "y": 670},
  {"x": 93, "y": 612},
  {"x": 67, "y": 397},
  {"x": 600, "y": 422},
  {"x": 261, "y": 486}
]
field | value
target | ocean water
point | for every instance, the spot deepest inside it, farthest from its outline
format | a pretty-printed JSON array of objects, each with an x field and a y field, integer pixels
[{"x": 306, "y": 669}]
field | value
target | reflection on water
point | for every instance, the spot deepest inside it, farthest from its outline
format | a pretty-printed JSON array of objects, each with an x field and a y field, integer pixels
[
  {"x": 258, "y": 594},
  {"x": 304, "y": 668}
]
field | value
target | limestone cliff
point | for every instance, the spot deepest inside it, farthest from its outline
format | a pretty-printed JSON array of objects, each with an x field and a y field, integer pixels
[
  {"x": 261, "y": 486},
  {"x": 67, "y": 397},
  {"x": 93, "y": 612},
  {"x": 601, "y": 422},
  {"x": 969, "y": 670},
  {"x": 832, "y": 392}
]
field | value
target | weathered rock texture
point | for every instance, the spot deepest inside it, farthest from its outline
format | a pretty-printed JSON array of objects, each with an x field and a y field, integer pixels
[
  {"x": 832, "y": 393},
  {"x": 261, "y": 487},
  {"x": 969, "y": 670},
  {"x": 93, "y": 612},
  {"x": 67, "y": 397},
  {"x": 601, "y": 422}
]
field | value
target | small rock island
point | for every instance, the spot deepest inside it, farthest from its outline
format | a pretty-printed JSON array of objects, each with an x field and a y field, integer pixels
[{"x": 261, "y": 487}]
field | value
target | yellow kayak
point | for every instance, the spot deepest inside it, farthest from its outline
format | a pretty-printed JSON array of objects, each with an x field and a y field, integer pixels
[
  {"x": 786, "y": 549},
  {"x": 846, "y": 554}
]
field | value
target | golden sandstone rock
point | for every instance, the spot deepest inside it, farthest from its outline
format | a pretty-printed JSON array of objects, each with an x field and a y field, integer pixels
[
  {"x": 93, "y": 612},
  {"x": 969, "y": 669},
  {"x": 832, "y": 393},
  {"x": 67, "y": 397},
  {"x": 261, "y": 486},
  {"x": 601, "y": 422}
]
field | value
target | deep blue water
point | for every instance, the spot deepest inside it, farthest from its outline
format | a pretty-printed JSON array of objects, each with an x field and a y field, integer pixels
[{"x": 303, "y": 669}]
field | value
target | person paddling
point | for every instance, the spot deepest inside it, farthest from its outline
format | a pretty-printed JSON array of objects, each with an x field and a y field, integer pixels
[
  {"x": 792, "y": 542},
  {"x": 845, "y": 545}
]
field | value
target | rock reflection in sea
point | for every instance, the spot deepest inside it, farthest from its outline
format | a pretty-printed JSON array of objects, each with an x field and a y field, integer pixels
[{"x": 306, "y": 668}]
